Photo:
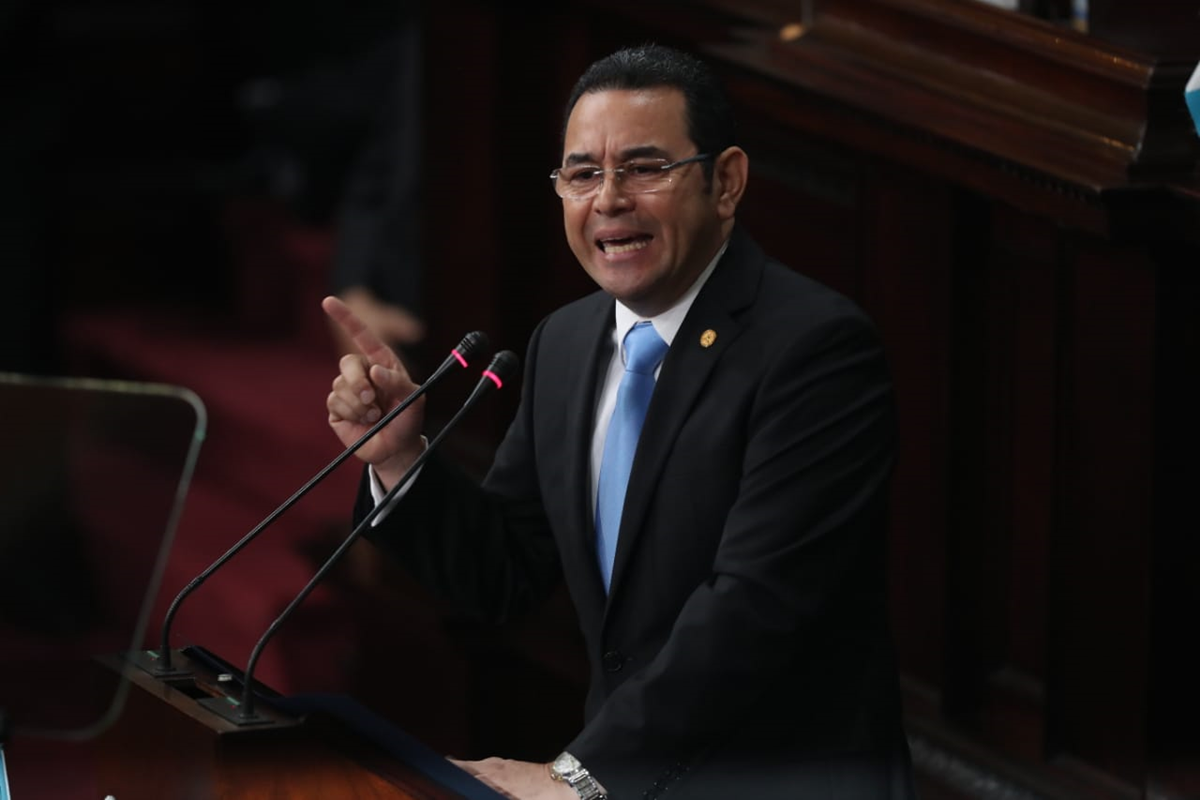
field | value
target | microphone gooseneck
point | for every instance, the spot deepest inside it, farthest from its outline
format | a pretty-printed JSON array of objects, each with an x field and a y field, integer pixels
[
  {"x": 503, "y": 367},
  {"x": 472, "y": 346}
]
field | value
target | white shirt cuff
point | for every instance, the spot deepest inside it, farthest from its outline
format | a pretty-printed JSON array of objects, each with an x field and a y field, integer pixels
[{"x": 378, "y": 493}]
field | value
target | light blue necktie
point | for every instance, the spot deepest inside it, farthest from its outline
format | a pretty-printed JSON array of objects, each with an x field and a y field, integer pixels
[{"x": 644, "y": 349}]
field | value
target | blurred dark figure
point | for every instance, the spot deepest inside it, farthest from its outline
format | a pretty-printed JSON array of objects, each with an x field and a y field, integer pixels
[
  {"x": 335, "y": 125},
  {"x": 118, "y": 117}
]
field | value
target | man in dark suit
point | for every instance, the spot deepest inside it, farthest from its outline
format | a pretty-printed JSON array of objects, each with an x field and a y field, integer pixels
[{"x": 734, "y": 608}]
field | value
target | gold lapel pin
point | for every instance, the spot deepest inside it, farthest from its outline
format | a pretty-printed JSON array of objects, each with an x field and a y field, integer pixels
[{"x": 708, "y": 337}]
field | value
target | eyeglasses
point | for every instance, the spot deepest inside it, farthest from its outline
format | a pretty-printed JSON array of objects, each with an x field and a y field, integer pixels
[{"x": 637, "y": 176}]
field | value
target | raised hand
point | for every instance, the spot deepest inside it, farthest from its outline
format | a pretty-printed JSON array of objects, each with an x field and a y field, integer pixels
[{"x": 370, "y": 383}]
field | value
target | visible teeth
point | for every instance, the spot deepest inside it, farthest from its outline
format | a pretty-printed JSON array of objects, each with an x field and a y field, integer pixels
[{"x": 612, "y": 247}]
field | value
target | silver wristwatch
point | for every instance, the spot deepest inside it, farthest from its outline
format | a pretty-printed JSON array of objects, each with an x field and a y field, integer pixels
[{"x": 566, "y": 768}]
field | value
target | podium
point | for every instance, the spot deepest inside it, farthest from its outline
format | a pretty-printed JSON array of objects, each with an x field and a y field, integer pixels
[{"x": 173, "y": 741}]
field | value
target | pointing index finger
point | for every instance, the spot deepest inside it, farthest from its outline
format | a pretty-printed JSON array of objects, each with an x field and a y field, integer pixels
[{"x": 367, "y": 343}]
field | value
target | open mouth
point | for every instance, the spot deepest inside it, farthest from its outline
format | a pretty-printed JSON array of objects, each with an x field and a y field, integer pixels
[{"x": 628, "y": 244}]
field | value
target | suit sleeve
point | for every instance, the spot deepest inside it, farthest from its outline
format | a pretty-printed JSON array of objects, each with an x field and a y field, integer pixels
[
  {"x": 796, "y": 579},
  {"x": 489, "y": 554}
]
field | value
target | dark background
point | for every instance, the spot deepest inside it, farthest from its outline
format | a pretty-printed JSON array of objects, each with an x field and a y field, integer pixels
[{"x": 1014, "y": 202}]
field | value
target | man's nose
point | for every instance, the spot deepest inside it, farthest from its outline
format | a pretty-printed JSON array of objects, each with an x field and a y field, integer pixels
[{"x": 611, "y": 196}]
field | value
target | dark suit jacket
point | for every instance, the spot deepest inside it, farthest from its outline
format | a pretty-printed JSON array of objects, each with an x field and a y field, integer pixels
[{"x": 744, "y": 647}]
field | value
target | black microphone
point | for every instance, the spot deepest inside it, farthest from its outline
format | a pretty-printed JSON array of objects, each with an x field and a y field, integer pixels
[
  {"x": 471, "y": 346},
  {"x": 504, "y": 366}
]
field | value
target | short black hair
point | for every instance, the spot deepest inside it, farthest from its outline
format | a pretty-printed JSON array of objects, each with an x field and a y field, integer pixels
[{"x": 710, "y": 120}]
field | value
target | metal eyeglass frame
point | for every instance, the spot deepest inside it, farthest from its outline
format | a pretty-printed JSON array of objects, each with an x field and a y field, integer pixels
[{"x": 619, "y": 172}]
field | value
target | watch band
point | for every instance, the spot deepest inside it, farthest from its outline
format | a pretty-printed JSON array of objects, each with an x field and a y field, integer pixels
[
  {"x": 566, "y": 768},
  {"x": 585, "y": 786}
]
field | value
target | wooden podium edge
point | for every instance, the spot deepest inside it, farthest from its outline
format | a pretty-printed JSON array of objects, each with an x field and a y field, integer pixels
[{"x": 168, "y": 738}]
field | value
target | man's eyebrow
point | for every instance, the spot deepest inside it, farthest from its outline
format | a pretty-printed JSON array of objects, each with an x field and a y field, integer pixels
[
  {"x": 579, "y": 158},
  {"x": 643, "y": 151}
]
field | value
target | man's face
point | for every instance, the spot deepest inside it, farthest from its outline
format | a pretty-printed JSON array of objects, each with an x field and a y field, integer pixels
[{"x": 644, "y": 249}]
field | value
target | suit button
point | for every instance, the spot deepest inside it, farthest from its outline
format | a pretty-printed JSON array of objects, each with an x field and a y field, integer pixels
[{"x": 613, "y": 661}]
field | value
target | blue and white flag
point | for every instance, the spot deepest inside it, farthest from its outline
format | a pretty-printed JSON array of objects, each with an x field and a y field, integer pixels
[{"x": 1192, "y": 95}]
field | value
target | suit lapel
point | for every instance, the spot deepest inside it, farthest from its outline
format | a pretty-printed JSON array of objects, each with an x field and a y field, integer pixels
[{"x": 685, "y": 371}]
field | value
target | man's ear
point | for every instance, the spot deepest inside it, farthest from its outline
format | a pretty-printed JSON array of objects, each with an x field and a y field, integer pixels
[{"x": 729, "y": 180}]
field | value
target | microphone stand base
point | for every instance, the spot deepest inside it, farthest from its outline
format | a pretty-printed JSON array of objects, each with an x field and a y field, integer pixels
[
  {"x": 230, "y": 709},
  {"x": 151, "y": 661}
]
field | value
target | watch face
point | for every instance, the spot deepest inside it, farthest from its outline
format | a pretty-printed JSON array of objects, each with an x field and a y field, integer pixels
[{"x": 564, "y": 765}]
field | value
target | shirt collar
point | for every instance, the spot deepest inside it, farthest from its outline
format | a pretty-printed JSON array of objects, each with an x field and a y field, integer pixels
[{"x": 668, "y": 323}]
